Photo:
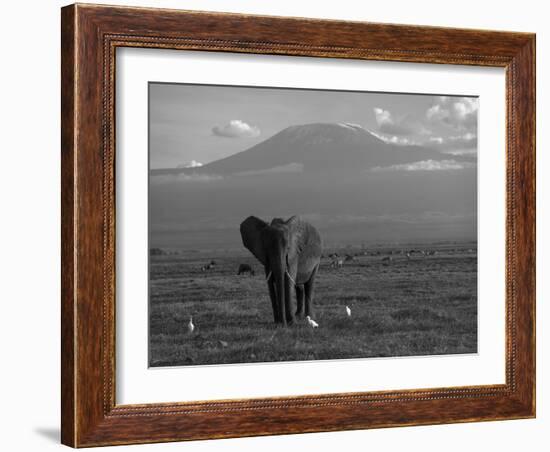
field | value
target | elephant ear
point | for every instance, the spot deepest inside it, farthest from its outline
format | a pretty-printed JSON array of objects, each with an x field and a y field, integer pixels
[
  {"x": 297, "y": 237},
  {"x": 251, "y": 229}
]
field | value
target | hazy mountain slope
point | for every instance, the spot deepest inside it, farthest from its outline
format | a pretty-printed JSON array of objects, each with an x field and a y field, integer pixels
[{"x": 389, "y": 206}]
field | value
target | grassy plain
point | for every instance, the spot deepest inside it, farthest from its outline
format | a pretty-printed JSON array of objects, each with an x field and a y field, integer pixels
[{"x": 422, "y": 305}]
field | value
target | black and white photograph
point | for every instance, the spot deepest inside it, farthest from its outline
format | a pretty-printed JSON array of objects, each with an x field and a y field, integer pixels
[
  {"x": 260, "y": 226},
  {"x": 294, "y": 224}
]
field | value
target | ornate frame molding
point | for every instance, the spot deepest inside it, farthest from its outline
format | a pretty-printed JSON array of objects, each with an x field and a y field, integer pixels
[{"x": 90, "y": 37}]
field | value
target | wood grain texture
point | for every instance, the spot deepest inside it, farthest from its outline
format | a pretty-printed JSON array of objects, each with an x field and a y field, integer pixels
[
  {"x": 90, "y": 36},
  {"x": 68, "y": 147}
]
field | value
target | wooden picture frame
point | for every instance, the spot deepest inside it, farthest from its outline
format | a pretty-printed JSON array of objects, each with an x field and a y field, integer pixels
[{"x": 90, "y": 35}]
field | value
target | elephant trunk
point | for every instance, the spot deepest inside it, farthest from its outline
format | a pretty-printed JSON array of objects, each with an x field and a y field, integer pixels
[{"x": 279, "y": 271}]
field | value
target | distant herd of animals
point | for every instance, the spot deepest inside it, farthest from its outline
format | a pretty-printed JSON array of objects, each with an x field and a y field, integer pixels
[
  {"x": 337, "y": 261},
  {"x": 291, "y": 252}
]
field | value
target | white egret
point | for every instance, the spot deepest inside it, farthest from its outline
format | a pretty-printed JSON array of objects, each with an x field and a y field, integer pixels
[
  {"x": 190, "y": 326},
  {"x": 312, "y": 323},
  {"x": 348, "y": 311}
]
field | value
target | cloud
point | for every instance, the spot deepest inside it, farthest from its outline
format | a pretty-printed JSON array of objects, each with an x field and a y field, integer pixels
[
  {"x": 177, "y": 178},
  {"x": 461, "y": 151},
  {"x": 454, "y": 144},
  {"x": 426, "y": 165},
  {"x": 383, "y": 116},
  {"x": 457, "y": 112},
  {"x": 437, "y": 113},
  {"x": 236, "y": 129},
  {"x": 389, "y": 125},
  {"x": 290, "y": 168},
  {"x": 191, "y": 164},
  {"x": 394, "y": 139}
]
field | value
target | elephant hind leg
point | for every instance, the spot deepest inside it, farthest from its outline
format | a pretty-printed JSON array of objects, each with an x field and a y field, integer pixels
[
  {"x": 299, "y": 301},
  {"x": 309, "y": 290}
]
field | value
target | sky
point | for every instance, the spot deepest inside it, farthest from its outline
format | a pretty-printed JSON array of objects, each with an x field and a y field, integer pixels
[{"x": 191, "y": 125}]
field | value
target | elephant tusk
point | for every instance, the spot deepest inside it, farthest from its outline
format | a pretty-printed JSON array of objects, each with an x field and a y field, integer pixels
[
  {"x": 267, "y": 278},
  {"x": 290, "y": 277}
]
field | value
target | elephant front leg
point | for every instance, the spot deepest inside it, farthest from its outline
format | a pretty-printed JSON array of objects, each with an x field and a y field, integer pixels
[
  {"x": 309, "y": 291},
  {"x": 288, "y": 300},
  {"x": 273, "y": 297},
  {"x": 300, "y": 301}
]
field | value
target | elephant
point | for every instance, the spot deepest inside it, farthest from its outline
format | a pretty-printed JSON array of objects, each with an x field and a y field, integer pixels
[
  {"x": 290, "y": 252},
  {"x": 245, "y": 268}
]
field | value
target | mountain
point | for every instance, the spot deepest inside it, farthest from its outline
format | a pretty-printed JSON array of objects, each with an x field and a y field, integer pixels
[
  {"x": 324, "y": 173},
  {"x": 319, "y": 147}
]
